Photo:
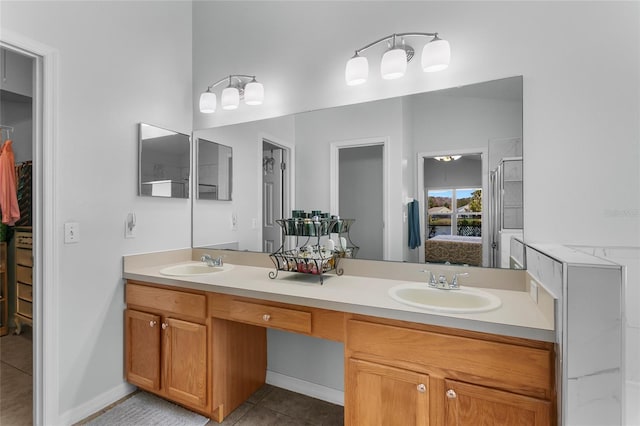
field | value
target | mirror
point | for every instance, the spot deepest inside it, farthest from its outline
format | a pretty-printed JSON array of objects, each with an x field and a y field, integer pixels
[
  {"x": 214, "y": 171},
  {"x": 163, "y": 162},
  {"x": 480, "y": 122}
]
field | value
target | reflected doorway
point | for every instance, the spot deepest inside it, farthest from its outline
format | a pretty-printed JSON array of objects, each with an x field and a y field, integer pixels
[
  {"x": 359, "y": 192},
  {"x": 452, "y": 208},
  {"x": 275, "y": 200}
]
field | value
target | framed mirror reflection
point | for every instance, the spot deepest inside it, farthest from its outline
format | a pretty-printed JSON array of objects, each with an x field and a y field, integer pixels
[{"x": 164, "y": 162}]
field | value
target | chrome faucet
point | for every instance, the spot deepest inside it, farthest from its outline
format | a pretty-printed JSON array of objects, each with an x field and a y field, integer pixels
[
  {"x": 210, "y": 261},
  {"x": 442, "y": 283}
]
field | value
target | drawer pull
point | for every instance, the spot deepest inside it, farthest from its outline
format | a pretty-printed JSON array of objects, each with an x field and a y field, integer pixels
[
  {"x": 421, "y": 388},
  {"x": 451, "y": 394},
  {"x": 152, "y": 323},
  {"x": 266, "y": 317},
  {"x": 165, "y": 325}
]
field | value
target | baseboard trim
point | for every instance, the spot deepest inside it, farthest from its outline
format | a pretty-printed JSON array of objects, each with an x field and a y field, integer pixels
[
  {"x": 313, "y": 390},
  {"x": 96, "y": 404}
]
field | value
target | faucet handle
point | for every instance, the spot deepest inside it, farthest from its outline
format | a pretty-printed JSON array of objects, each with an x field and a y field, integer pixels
[
  {"x": 431, "y": 279},
  {"x": 454, "y": 281}
]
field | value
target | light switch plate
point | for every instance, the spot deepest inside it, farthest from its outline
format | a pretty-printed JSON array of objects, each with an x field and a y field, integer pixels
[{"x": 71, "y": 232}]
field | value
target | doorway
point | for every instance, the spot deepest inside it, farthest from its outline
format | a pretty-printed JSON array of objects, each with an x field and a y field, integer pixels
[
  {"x": 275, "y": 193},
  {"x": 44, "y": 60},
  {"x": 451, "y": 187},
  {"x": 18, "y": 123},
  {"x": 359, "y": 192}
]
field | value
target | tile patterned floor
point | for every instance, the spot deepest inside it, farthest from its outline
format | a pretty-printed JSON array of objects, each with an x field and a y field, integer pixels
[
  {"x": 16, "y": 379},
  {"x": 272, "y": 406}
]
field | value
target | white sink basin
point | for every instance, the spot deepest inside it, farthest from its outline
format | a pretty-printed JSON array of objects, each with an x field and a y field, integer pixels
[
  {"x": 195, "y": 268},
  {"x": 461, "y": 301}
]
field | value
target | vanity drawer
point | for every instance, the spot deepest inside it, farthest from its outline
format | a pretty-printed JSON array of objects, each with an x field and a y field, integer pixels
[
  {"x": 23, "y": 274},
  {"x": 510, "y": 366},
  {"x": 271, "y": 316},
  {"x": 25, "y": 308},
  {"x": 161, "y": 299},
  {"x": 25, "y": 292}
]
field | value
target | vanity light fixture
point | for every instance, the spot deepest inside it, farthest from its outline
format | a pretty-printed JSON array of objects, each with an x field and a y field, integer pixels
[
  {"x": 446, "y": 158},
  {"x": 239, "y": 86},
  {"x": 435, "y": 57}
]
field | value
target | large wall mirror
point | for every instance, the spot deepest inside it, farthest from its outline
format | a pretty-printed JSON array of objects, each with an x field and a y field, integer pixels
[
  {"x": 164, "y": 162},
  {"x": 214, "y": 171},
  {"x": 446, "y": 164}
]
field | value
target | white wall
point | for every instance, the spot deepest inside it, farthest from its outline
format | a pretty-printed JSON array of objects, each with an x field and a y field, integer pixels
[
  {"x": 579, "y": 62},
  {"x": 120, "y": 63}
]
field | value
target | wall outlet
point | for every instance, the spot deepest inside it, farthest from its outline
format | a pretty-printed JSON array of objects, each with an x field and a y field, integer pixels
[
  {"x": 71, "y": 233},
  {"x": 533, "y": 290},
  {"x": 254, "y": 223}
]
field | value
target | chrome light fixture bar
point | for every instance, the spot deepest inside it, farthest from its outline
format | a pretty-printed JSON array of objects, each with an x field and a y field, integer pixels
[
  {"x": 239, "y": 86},
  {"x": 436, "y": 55}
]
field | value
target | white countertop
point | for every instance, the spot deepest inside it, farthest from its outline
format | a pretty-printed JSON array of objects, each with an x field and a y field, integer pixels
[{"x": 519, "y": 315}]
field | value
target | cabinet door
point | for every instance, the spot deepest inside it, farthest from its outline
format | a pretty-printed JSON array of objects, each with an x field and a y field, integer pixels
[
  {"x": 185, "y": 346},
  {"x": 476, "y": 405},
  {"x": 379, "y": 395},
  {"x": 142, "y": 349}
]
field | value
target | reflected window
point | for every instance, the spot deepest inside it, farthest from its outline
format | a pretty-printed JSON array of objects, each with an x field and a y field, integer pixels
[{"x": 455, "y": 211}]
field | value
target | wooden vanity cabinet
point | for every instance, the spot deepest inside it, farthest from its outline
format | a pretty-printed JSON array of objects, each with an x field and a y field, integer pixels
[
  {"x": 466, "y": 403},
  {"x": 444, "y": 376},
  {"x": 166, "y": 344},
  {"x": 381, "y": 395}
]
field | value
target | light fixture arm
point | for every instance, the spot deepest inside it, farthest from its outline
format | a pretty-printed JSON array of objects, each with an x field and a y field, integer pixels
[
  {"x": 393, "y": 36},
  {"x": 239, "y": 83}
]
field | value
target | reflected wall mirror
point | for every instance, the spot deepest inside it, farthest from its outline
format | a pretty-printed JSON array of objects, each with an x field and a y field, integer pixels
[
  {"x": 214, "y": 170},
  {"x": 481, "y": 123},
  {"x": 163, "y": 162}
]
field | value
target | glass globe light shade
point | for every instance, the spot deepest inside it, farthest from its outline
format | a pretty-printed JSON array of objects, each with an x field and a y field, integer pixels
[
  {"x": 208, "y": 102},
  {"x": 357, "y": 70},
  {"x": 230, "y": 98},
  {"x": 436, "y": 55},
  {"x": 394, "y": 64},
  {"x": 253, "y": 93}
]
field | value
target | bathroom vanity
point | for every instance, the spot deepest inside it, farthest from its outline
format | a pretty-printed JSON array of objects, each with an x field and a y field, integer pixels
[{"x": 200, "y": 340}]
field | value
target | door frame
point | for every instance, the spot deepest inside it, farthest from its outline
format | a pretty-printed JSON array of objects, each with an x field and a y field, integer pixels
[
  {"x": 288, "y": 181},
  {"x": 484, "y": 155},
  {"x": 334, "y": 181},
  {"x": 45, "y": 255}
]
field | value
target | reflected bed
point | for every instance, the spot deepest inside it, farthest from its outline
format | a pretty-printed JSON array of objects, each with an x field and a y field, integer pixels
[{"x": 455, "y": 249}]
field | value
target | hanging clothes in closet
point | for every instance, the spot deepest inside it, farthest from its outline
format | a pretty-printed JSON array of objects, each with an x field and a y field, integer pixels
[{"x": 8, "y": 190}]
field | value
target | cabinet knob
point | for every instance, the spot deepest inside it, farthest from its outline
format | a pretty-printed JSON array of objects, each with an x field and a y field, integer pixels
[
  {"x": 152, "y": 323},
  {"x": 165, "y": 325},
  {"x": 266, "y": 317},
  {"x": 421, "y": 388},
  {"x": 451, "y": 394}
]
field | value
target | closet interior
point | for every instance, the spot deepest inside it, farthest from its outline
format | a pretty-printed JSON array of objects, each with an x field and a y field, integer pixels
[{"x": 16, "y": 242}]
